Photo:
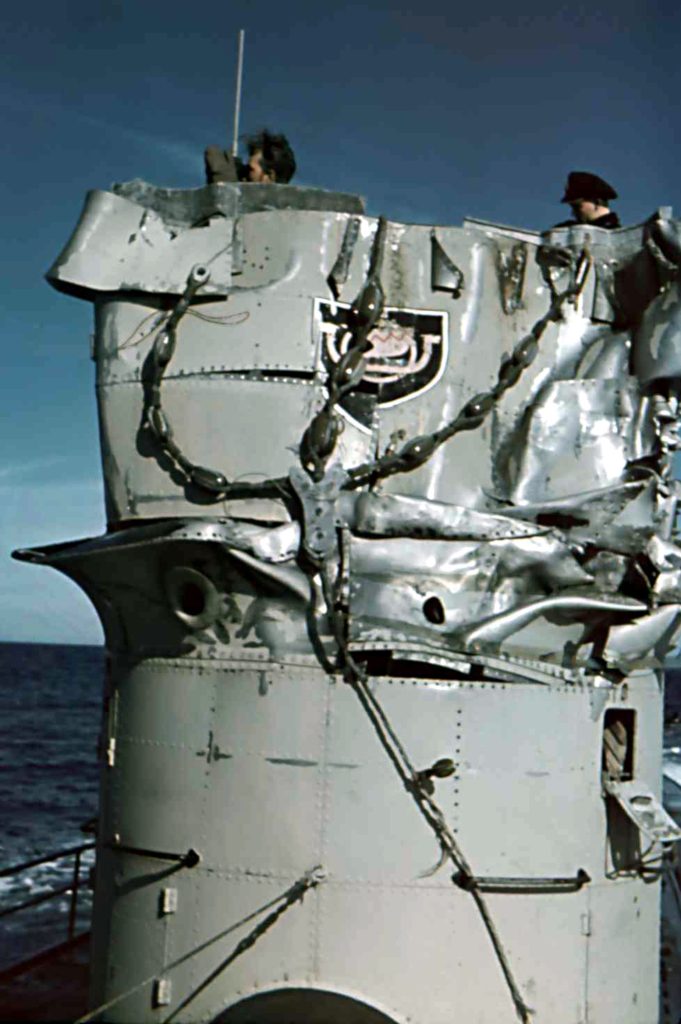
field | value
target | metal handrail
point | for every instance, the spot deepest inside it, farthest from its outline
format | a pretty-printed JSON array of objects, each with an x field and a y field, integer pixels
[
  {"x": 14, "y": 869},
  {"x": 73, "y": 887},
  {"x": 34, "y": 901}
]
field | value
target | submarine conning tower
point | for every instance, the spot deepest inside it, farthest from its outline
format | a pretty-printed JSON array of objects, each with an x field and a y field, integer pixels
[{"x": 387, "y": 587}]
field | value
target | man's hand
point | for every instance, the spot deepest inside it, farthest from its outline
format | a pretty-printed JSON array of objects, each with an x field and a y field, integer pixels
[{"x": 220, "y": 165}]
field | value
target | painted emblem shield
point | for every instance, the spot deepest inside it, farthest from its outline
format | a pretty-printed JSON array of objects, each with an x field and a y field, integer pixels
[{"x": 407, "y": 356}]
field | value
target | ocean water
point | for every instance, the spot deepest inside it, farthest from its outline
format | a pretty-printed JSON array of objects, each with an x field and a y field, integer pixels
[{"x": 50, "y": 706}]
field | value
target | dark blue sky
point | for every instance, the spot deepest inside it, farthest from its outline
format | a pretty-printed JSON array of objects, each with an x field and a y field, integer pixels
[{"x": 430, "y": 111}]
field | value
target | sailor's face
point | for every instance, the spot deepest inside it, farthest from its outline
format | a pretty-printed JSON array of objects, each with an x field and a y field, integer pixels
[
  {"x": 584, "y": 210},
  {"x": 256, "y": 173}
]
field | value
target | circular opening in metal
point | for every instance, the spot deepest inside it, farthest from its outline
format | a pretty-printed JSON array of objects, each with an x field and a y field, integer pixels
[
  {"x": 434, "y": 611},
  {"x": 192, "y": 599}
]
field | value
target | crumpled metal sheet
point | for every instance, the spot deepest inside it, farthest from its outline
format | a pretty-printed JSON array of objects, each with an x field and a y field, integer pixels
[
  {"x": 599, "y": 503},
  {"x": 657, "y": 341},
  {"x": 395, "y": 515},
  {"x": 580, "y": 435},
  {"x": 606, "y": 355},
  {"x": 621, "y": 518},
  {"x": 141, "y": 238},
  {"x": 255, "y": 594},
  {"x": 572, "y": 606},
  {"x": 666, "y": 559},
  {"x": 544, "y": 560},
  {"x": 645, "y": 641},
  {"x": 551, "y": 516},
  {"x": 119, "y": 245},
  {"x": 441, "y": 587}
]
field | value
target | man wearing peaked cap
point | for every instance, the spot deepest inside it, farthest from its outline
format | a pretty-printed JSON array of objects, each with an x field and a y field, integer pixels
[{"x": 589, "y": 198}]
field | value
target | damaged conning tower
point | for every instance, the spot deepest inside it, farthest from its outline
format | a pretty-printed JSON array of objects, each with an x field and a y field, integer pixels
[{"x": 387, "y": 588}]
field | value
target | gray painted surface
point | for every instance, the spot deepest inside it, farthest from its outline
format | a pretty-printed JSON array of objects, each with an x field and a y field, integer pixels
[{"x": 301, "y": 603}]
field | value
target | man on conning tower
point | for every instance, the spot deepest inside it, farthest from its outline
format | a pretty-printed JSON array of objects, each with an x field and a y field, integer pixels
[
  {"x": 270, "y": 161},
  {"x": 589, "y": 197}
]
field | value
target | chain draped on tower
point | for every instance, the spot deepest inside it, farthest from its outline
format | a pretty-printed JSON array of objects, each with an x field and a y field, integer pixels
[{"x": 387, "y": 587}]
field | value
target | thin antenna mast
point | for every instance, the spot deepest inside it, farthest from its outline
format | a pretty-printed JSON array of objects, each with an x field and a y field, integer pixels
[{"x": 237, "y": 98}]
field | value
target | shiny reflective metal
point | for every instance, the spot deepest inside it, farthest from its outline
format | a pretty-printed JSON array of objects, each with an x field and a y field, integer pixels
[{"x": 472, "y": 570}]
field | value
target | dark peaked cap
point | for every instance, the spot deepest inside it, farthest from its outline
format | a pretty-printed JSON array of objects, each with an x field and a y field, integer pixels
[{"x": 583, "y": 185}]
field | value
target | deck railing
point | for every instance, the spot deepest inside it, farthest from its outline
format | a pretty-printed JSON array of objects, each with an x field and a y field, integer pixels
[{"x": 73, "y": 887}]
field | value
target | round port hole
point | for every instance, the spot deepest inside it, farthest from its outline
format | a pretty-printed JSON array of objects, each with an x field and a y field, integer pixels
[
  {"x": 192, "y": 599},
  {"x": 192, "y": 596},
  {"x": 434, "y": 611}
]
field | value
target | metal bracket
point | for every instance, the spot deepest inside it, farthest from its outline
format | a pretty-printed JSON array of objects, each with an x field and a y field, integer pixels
[
  {"x": 169, "y": 902},
  {"x": 111, "y": 752},
  {"x": 188, "y": 860},
  {"x": 162, "y": 992},
  {"x": 319, "y": 501},
  {"x": 644, "y": 809}
]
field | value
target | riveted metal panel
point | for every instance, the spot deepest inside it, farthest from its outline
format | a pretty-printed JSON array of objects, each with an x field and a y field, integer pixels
[
  {"x": 263, "y": 799},
  {"x": 531, "y": 757},
  {"x": 136, "y": 951},
  {"x": 165, "y": 703},
  {"x": 158, "y": 795},
  {"x": 228, "y": 910},
  {"x": 398, "y": 965},
  {"x": 368, "y": 814},
  {"x": 206, "y": 411},
  {"x": 453, "y": 959},
  {"x": 624, "y": 952},
  {"x": 503, "y": 629},
  {"x": 242, "y": 332}
]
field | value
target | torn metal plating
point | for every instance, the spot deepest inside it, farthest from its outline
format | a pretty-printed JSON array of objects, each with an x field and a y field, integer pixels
[
  {"x": 511, "y": 270},
  {"x": 516, "y": 504},
  {"x": 442, "y": 456},
  {"x": 580, "y": 429}
]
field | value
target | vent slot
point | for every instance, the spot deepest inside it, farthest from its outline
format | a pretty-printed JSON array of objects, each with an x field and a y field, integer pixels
[{"x": 619, "y": 732}]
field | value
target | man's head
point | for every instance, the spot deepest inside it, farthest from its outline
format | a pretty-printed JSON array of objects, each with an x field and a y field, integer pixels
[
  {"x": 588, "y": 195},
  {"x": 270, "y": 159}
]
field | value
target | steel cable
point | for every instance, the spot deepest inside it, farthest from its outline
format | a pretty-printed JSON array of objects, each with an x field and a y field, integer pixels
[
  {"x": 432, "y": 813},
  {"x": 293, "y": 894}
]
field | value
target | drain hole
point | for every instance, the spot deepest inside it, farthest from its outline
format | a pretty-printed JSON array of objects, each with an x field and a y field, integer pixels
[
  {"x": 434, "y": 611},
  {"x": 192, "y": 599}
]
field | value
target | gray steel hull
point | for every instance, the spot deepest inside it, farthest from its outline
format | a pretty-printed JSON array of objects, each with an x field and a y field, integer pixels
[{"x": 387, "y": 589}]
